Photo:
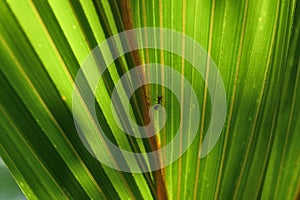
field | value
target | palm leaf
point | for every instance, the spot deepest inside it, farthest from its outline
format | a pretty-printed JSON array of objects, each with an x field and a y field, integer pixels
[{"x": 255, "y": 45}]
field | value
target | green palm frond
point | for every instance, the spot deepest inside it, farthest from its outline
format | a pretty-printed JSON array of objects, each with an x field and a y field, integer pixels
[{"x": 255, "y": 46}]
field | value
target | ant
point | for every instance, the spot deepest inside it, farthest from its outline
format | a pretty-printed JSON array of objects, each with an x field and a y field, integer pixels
[{"x": 159, "y": 100}]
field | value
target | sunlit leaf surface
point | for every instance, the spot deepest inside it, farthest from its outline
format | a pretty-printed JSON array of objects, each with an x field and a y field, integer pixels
[{"x": 255, "y": 46}]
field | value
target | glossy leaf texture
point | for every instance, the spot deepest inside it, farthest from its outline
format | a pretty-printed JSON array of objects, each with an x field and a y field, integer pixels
[{"x": 255, "y": 46}]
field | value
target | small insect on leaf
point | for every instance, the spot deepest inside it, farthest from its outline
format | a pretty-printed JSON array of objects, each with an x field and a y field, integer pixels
[{"x": 159, "y": 100}]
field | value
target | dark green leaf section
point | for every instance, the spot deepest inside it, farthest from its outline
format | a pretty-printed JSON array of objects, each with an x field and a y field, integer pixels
[{"x": 282, "y": 176}]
